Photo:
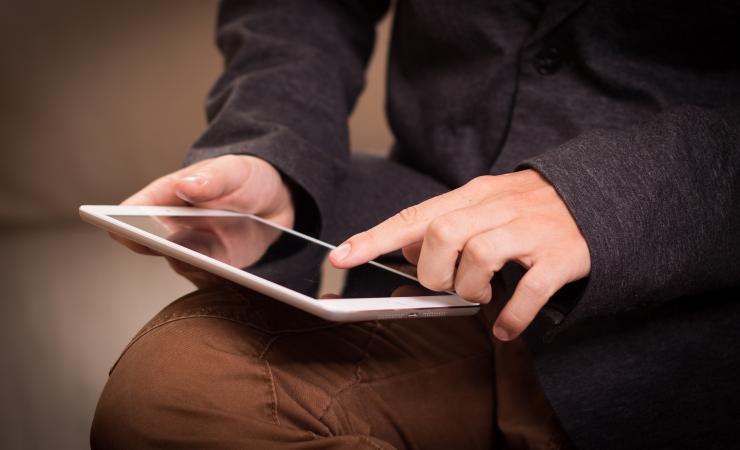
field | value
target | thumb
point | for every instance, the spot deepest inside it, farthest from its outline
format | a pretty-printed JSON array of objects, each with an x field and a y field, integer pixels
[
  {"x": 211, "y": 181},
  {"x": 242, "y": 183},
  {"x": 193, "y": 189}
]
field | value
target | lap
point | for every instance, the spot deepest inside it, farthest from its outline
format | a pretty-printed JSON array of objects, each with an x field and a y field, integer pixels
[{"x": 227, "y": 368}]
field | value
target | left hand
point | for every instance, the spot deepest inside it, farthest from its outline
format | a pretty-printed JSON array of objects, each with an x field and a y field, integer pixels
[
  {"x": 231, "y": 240},
  {"x": 460, "y": 239}
]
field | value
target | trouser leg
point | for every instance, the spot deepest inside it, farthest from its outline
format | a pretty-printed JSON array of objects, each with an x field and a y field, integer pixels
[{"x": 224, "y": 368}]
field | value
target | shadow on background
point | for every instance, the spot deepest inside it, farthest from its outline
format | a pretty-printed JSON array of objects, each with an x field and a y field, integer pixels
[{"x": 98, "y": 98}]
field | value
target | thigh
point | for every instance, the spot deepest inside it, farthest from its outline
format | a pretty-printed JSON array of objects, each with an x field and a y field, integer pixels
[{"x": 227, "y": 368}]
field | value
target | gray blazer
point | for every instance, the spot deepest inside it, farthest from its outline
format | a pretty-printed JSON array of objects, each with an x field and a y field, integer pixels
[{"x": 630, "y": 108}]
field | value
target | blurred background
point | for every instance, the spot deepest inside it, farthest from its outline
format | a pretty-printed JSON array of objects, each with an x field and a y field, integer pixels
[{"x": 96, "y": 100}]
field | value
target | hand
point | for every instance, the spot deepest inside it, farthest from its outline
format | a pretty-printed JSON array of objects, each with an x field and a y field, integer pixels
[
  {"x": 232, "y": 240},
  {"x": 462, "y": 238},
  {"x": 233, "y": 182}
]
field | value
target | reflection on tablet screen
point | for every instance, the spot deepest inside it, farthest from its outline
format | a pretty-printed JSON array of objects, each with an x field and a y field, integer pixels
[{"x": 277, "y": 256}]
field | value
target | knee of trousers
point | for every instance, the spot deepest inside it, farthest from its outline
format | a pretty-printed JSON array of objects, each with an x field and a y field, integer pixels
[{"x": 193, "y": 380}]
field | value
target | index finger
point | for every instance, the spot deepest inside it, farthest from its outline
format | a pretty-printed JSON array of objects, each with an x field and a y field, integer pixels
[{"x": 400, "y": 230}]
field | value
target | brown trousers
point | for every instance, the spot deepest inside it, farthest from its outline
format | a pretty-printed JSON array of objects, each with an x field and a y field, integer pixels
[{"x": 225, "y": 368}]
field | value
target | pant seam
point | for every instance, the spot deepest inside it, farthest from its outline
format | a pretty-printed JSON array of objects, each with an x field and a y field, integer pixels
[
  {"x": 177, "y": 318},
  {"x": 249, "y": 302},
  {"x": 273, "y": 390},
  {"x": 356, "y": 378},
  {"x": 271, "y": 378},
  {"x": 184, "y": 316},
  {"x": 370, "y": 442}
]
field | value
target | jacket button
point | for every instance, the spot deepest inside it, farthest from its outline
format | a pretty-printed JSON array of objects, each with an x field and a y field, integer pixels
[{"x": 548, "y": 61}]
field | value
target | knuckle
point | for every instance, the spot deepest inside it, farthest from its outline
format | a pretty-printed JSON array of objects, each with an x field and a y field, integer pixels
[
  {"x": 480, "y": 182},
  {"x": 408, "y": 215},
  {"x": 535, "y": 287},
  {"x": 443, "y": 229},
  {"x": 514, "y": 320},
  {"x": 464, "y": 290},
  {"x": 164, "y": 180},
  {"x": 366, "y": 237},
  {"x": 477, "y": 294},
  {"x": 440, "y": 285},
  {"x": 478, "y": 251},
  {"x": 432, "y": 282},
  {"x": 517, "y": 202}
]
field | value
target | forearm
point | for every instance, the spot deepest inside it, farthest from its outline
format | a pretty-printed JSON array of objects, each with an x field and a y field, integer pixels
[{"x": 293, "y": 71}]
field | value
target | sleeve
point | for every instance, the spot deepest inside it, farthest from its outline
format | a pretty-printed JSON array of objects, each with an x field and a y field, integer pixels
[
  {"x": 659, "y": 206},
  {"x": 293, "y": 71}
]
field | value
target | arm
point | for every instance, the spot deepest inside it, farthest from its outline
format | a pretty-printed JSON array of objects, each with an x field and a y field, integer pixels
[
  {"x": 654, "y": 207},
  {"x": 276, "y": 143},
  {"x": 658, "y": 204},
  {"x": 293, "y": 70}
]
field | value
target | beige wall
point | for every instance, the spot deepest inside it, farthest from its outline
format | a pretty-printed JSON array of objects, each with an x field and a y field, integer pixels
[{"x": 96, "y": 99}]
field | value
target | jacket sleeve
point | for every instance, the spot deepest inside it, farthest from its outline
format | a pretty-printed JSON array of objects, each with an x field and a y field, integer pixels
[
  {"x": 659, "y": 206},
  {"x": 293, "y": 71}
]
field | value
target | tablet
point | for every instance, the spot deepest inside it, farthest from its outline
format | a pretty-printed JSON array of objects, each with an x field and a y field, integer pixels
[{"x": 278, "y": 262}]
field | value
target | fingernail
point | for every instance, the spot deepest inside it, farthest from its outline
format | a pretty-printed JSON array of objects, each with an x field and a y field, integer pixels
[
  {"x": 500, "y": 333},
  {"x": 342, "y": 251},
  {"x": 183, "y": 197},
  {"x": 197, "y": 180}
]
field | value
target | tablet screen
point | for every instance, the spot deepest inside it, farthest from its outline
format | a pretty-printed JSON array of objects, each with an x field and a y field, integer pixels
[{"x": 283, "y": 258}]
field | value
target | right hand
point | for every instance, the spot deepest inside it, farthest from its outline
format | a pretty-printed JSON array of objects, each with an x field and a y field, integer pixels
[{"x": 239, "y": 183}]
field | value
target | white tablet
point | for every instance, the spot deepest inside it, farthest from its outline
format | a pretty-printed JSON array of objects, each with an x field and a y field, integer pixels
[{"x": 248, "y": 250}]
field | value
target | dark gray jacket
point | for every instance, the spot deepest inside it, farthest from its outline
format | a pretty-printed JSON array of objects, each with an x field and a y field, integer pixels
[{"x": 630, "y": 108}]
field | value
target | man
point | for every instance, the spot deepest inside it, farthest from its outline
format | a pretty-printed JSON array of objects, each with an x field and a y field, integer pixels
[{"x": 592, "y": 149}]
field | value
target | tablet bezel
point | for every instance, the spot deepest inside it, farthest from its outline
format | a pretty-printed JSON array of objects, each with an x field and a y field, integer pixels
[{"x": 337, "y": 310}]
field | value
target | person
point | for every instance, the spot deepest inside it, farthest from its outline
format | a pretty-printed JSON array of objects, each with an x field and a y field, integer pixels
[{"x": 585, "y": 156}]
